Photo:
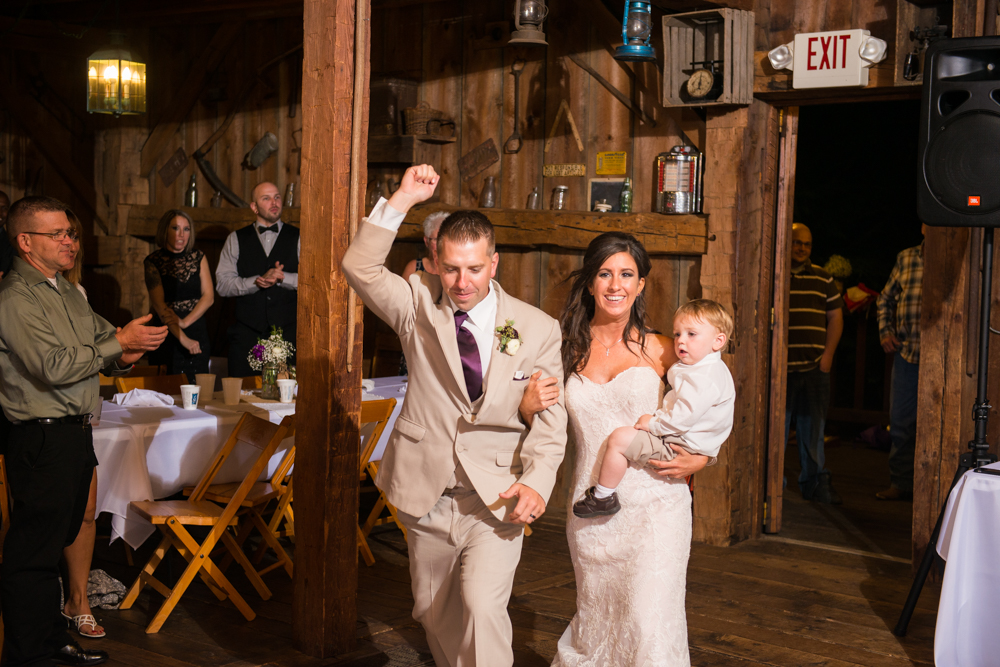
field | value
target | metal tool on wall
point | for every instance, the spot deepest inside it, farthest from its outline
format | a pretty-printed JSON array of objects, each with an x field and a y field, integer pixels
[
  {"x": 199, "y": 155},
  {"x": 514, "y": 143}
]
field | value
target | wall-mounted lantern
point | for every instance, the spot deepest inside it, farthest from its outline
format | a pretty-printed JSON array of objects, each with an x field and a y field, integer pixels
[
  {"x": 637, "y": 29},
  {"x": 116, "y": 80},
  {"x": 528, "y": 18}
]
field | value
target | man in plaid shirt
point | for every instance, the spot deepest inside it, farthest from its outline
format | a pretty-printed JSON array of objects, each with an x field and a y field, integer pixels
[{"x": 899, "y": 333}]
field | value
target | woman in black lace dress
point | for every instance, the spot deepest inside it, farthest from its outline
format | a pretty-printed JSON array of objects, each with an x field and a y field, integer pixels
[{"x": 180, "y": 292}]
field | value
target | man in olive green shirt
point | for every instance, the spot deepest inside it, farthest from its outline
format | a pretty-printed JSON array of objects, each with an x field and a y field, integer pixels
[{"x": 52, "y": 346}]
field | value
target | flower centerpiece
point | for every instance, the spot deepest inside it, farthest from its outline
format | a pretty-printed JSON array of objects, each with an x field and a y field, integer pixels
[{"x": 269, "y": 356}]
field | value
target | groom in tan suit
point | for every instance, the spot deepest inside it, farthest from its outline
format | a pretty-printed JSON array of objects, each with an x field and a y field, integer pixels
[{"x": 465, "y": 473}]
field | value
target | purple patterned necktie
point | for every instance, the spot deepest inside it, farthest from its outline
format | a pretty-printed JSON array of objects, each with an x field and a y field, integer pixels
[{"x": 468, "y": 349}]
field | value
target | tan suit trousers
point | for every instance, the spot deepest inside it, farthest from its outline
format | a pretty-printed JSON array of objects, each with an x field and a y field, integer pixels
[{"x": 462, "y": 562}]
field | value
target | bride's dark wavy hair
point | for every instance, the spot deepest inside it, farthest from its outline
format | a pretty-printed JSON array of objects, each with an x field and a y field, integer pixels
[{"x": 580, "y": 305}]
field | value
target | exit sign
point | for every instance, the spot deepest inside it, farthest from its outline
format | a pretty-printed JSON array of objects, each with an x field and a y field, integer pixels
[{"x": 829, "y": 59}]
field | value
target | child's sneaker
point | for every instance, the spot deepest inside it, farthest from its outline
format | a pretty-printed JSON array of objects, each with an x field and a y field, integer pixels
[{"x": 592, "y": 506}]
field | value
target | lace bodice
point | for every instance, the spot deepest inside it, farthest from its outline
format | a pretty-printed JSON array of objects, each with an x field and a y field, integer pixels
[
  {"x": 179, "y": 274},
  {"x": 631, "y": 567}
]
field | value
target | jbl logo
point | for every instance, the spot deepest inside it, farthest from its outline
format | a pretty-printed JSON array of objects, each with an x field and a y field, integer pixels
[{"x": 973, "y": 200}]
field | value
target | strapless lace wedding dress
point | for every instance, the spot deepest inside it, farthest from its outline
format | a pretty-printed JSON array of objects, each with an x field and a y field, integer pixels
[{"x": 631, "y": 568}]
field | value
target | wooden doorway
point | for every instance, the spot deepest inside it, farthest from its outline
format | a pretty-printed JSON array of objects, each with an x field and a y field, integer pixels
[
  {"x": 859, "y": 226},
  {"x": 788, "y": 128}
]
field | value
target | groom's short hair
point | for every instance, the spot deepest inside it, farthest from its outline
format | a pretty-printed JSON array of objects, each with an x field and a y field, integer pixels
[{"x": 467, "y": 227}]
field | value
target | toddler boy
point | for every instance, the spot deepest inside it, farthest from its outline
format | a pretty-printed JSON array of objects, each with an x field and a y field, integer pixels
[{"x": 697, "y": 412}]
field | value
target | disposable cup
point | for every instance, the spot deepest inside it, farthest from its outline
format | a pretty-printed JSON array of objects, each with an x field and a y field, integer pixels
[
  {"x": 287, "y": 390},
  {"x": 207, "y": 383},
  {"x": 231, "y": 388},
  {"x": 189, "y": 396},
  {"x": 95, "y": 416}
]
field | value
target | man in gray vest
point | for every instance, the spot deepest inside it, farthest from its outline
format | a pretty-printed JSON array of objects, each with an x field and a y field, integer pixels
[{"x": 259, "y": 266}]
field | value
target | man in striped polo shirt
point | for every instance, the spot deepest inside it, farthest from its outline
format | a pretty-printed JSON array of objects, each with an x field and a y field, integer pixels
[{"x": 815, "y": 322}]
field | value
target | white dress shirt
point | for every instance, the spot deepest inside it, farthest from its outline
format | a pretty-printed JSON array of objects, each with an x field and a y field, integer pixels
[
  {"x": 228, "y": 281},
  {"x": 482, "y": 318},
  {"x": 697, "y": 412}
]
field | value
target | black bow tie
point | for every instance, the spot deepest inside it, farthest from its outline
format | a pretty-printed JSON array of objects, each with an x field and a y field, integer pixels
[{"x": 272, "y": 228}]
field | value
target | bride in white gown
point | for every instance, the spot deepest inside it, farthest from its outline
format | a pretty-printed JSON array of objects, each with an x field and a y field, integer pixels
[{"x": 631, "y": 568}]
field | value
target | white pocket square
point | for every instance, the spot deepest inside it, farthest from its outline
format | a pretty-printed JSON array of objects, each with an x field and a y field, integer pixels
[{"x": 519, "y": 375}]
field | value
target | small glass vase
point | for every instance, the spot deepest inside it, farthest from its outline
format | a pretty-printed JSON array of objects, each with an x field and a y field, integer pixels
[{"x": 269, "y": 381}]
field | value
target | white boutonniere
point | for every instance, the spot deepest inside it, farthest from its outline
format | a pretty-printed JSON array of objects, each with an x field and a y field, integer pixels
[{"x": 510, "y": 339}]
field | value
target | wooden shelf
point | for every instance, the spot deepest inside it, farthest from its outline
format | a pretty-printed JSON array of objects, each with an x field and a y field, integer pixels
[
  {"x": 209, "y": 223},
  {"x": 661, "y": 234},
  {"x": 407, "y": 148}
]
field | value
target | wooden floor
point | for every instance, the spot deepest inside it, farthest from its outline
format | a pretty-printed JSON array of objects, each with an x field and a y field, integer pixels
[{"x": 768, "y": 602}]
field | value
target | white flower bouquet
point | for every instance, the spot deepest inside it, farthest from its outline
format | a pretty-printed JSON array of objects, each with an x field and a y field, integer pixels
[{"x": 271, "y": 350}]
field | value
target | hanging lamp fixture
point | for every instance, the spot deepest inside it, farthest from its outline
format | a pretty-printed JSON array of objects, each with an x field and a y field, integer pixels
[{"x": 116, "y": 80}]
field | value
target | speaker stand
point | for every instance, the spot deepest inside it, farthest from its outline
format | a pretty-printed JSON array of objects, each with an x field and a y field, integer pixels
[{"x": 979, "y": 454}]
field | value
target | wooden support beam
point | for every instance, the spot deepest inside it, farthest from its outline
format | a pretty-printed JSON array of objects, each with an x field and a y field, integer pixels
[
  {"x": 30, "y": 116},
  {"x": 209, "y": 223},
  {"x": 324, "y": 607},
  {"x": 190, "y": 90},
  {"x": 574, "y": 230}
]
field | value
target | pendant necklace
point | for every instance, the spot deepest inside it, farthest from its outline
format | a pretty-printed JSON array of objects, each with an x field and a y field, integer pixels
[{"x": 606, "y": 347}]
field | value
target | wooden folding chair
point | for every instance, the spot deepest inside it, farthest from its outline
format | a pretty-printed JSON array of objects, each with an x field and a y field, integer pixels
[
  {"x": 377, "y": 413},
  {"x": 165, "y": 384},
  {"x": 253, "y": 507},
  {"x": 171, "y": 517}
]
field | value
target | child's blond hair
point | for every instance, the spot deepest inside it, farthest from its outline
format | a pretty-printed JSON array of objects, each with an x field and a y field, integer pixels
[{"x": 706, "y": 310}]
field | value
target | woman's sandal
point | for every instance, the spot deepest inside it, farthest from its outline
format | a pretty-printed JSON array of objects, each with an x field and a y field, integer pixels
[{"x": 85, "y": 620}]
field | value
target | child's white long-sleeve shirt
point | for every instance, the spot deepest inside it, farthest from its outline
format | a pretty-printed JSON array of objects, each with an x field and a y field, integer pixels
[{"x": 697, "y": 412}]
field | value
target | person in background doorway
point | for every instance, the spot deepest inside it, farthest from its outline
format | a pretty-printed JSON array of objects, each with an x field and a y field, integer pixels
[
  {"x": 180, "y": 293},
  {"x": 815, "y": 322},
  {"x": 899, "y": 333},
  {"x": 7, "y": 252},
  {"x": 259, "y": 267}
]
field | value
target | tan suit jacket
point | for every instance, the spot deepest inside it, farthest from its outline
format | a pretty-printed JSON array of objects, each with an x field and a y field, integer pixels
[{"x": 439, "y": 426}]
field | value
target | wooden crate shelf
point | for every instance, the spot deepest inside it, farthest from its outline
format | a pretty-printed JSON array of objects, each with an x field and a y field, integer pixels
[
  {"x": 713, "y": 34},
  {"x": 574, "y": 230}
]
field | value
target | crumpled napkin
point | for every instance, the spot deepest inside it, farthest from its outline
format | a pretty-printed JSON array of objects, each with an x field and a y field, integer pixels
[{"x": 143, "y": 398}]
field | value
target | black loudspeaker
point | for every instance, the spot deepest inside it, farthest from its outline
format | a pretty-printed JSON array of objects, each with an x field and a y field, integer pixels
[{"x": 959, "y": 183}]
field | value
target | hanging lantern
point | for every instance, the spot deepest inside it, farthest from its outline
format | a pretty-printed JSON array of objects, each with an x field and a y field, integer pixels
[
  {"x": 637, "y": 29},
  {"x": 528, "y": 18},
  {"x": 116, "y": 81}
]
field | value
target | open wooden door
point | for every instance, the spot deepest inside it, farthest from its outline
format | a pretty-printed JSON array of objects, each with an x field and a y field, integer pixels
[{"x": 785, "y": 200}]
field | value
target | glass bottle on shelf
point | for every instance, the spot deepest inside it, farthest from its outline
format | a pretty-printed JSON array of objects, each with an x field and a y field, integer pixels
[
  {"x": 559, "y": 196},
  {"x": 488, "y": 197},
  {"x": 625, "y": 198},
  {"x": 534, "y": 200},
  {"x": 191, "y": 196}
]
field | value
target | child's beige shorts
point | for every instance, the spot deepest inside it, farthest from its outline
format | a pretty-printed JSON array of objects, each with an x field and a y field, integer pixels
[{"x": 646, "y": 446}]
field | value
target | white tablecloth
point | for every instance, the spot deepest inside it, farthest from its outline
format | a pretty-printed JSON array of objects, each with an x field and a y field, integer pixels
[
  {"x": 966, "y": 633},
  {"x": 147, "y": 453}
]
